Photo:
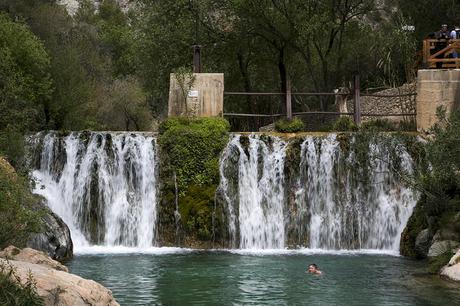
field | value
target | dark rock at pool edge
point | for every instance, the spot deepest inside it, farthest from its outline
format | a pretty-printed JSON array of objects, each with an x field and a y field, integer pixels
[{"x": 55, "y": 238}]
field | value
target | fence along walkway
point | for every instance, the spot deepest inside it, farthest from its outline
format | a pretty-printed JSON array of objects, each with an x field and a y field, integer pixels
[{"x": 356, "y": 95}]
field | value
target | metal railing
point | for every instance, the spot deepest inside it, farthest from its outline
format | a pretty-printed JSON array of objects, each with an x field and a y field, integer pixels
[{"x": 356, "y": 96}]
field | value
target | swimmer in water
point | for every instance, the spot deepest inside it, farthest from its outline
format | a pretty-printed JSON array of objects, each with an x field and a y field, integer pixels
[{"x": 313, "y": 269}]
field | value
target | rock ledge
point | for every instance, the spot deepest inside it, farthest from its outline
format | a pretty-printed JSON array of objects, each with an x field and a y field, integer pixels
[{"x": 55, "y": 285}]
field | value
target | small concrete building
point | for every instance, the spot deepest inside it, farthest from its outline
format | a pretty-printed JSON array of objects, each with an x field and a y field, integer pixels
[
  {"x": 204, "y": 98},
  {"x": 436, "y": 87}
]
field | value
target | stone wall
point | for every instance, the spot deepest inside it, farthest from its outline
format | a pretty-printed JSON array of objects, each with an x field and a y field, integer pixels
[
  {"x": 384, "y": 105},
  {"x": 204, "y": 99},
  {"x": 436, "y": 88}
]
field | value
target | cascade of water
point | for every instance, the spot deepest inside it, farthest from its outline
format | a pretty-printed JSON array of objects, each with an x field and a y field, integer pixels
[
  {"x": 340, "y": 202},
  {"x": 354, "y": 204},
  {"x": 260, "y": 195},
  {"x": 103, "y": 185}
]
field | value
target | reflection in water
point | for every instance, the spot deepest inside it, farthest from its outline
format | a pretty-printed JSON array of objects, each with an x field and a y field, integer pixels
[{"x": 219, "y": 278}]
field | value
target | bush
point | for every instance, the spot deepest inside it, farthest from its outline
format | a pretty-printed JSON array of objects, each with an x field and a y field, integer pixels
[
  {"x": 381, "y": 125},
  {"x": 289, "y": 126},
  {"x": 344, "y": 124},
  {"x": 17, "y": 218},
  {"x": 193, "y": 147},
  {"x": 13, "y": 292}
]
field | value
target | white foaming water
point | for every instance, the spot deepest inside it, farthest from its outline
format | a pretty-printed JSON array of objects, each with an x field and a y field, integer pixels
[
  {"x": 103, "y": 185},
  {"x": 337, "y": 203},
  {"x": 356, "y": 206},
  {"x": 119, "y": 250},
  {"x": 260, "y": 194},
  {"x": 308, "y": 251}
]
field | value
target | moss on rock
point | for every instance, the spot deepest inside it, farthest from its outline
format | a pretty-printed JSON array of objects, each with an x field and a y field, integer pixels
[{"x": 191, "y": 149}]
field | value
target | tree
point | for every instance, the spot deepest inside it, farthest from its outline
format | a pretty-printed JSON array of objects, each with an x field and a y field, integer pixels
[{"x": 25, "y": 85}]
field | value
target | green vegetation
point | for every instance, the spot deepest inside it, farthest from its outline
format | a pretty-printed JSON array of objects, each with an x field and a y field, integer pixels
[
  {"x": 289, "y": 126},
  {"x": 344, "y": 124},
  {"x": 17, "y": 218},
  {"x": 25, "y": 88},
  {"x": 192, "y": 148},
  {"x": 15, "y": 293},
  {"x": 437, "y": 262},
  {"x": 381, "y": 125},
  {"x": 439, "y": 206},
  {"x": 107, "y": 69},
  {"x": 74, "y": 73}
]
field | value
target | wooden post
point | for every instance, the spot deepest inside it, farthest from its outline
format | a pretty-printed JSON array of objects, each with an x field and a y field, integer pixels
[
  {"x": 196, "y": 59},
  {"x": 288, "y": 99},
  {"x": 357, "y": 102},
  {"x": 426, "y": 53}
]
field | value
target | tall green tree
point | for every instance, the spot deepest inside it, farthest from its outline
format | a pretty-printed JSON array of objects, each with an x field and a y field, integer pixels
[{"x": 25, "y": 85}]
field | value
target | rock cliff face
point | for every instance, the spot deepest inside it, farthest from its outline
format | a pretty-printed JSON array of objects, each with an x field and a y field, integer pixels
[{"x": 54, "y": 284}]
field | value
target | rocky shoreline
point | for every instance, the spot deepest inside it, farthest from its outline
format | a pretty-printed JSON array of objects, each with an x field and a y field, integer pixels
[{"x": 54, "y": 284}]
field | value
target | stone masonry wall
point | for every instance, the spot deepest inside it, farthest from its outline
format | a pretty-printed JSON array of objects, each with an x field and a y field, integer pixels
[{"x": 435, "y": 88}]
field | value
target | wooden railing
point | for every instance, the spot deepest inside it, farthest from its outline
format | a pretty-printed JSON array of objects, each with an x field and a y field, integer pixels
[{"x": 439, "y": 53}]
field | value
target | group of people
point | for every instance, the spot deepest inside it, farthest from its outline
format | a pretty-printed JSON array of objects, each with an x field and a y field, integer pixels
[
  {"x": 445, "y": 37},
  {"x": 447, "y": 34}
]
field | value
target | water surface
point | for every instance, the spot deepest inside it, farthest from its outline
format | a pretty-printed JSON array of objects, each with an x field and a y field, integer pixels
[{"x": 223, "y": 278}]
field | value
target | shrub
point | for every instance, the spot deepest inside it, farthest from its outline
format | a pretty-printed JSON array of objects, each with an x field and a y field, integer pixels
[
  {"x": 382, "y": 125},
  {"x": 193, "y": 147},
  {"x": 344, "y": 124},
  {"x": 289, "y": 126},
  {"x": 17, "y": 218},
  {"x": 13, "y": 292}
]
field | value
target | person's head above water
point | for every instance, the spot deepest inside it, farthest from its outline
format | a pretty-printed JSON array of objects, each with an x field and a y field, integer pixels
[{"x": 313, "y": 269}]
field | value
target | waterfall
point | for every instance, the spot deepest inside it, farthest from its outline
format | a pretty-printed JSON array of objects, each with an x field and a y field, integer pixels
[
  {"x": 260, "y": 193},
  {"x": 343, "y": 197},
  {"x": 103, "y": 185},
  {"x": 354, "y": 204}
]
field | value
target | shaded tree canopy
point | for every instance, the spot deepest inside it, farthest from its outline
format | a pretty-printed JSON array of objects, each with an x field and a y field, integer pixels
[{"x": 318, "y": 44}]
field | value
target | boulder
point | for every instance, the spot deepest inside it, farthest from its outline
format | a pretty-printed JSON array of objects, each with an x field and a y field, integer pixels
[
  {"x": 452, "y": 269},
  {"x": 31, "y": 256},
  {"x": 55, "y": 238},
  {"x": 452, "y": 273},
  {"x": 440, "y": 247},
  {"x": 455, "y": 259},
  {"x": 422, "y": 242},
  {"x": 57, "y": 287}
]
